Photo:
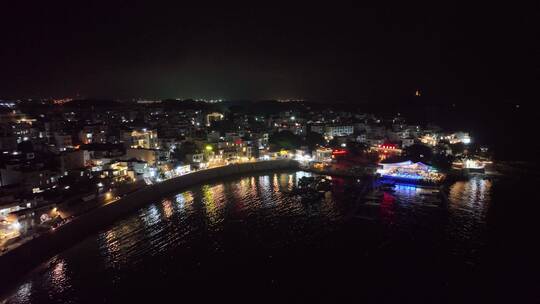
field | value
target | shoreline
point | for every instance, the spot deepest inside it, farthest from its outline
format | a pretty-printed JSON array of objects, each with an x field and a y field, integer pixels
[
  {"x": 23, "y": 259},
  {"x": 37, "y": 251}
]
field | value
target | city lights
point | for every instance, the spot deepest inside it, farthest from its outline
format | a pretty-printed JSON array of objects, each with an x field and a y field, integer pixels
[{"x": 375, "y": 153}]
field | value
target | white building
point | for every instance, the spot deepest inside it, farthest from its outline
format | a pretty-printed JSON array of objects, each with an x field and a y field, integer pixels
[
  {"x": 333, "y": 130},
  {"x": 459, "y": 137},
  {"x": 142, "y": 138},
  {"x": 323, "y": 155}
]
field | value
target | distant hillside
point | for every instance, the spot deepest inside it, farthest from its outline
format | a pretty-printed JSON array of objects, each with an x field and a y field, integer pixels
[{"x": 93, "y": 103}]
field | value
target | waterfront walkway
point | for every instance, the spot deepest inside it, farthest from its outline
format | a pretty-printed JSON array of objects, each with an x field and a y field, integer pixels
[{"x": 21, "y": 259}]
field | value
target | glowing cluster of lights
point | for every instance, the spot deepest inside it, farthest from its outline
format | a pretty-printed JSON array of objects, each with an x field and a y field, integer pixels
[
  {"x": 410, "y": 171},
  {"x": 339, "y": 152},
  {"x": 404, "y": 176}
]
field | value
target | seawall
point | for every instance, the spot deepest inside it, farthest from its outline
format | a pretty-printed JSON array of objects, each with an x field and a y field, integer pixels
[{"x": 19, "y": 261}]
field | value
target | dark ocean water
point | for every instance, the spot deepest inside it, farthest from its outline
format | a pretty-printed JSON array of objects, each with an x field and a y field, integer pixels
[{"x": 246, "y": 240}]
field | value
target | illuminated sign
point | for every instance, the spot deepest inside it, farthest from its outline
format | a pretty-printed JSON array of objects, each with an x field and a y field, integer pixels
[{"x": 339, "y": 152}]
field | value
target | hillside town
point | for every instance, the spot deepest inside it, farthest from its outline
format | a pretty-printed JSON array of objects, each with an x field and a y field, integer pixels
[{"x": 62, "y": 157}]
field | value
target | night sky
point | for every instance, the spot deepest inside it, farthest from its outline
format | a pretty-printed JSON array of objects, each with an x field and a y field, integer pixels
[{"x": 451, "y": 52}]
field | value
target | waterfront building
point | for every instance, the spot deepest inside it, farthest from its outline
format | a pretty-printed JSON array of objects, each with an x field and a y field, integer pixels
[
  {"x": 116, "y": 171},
  {"x": 195, "y": 158},
  {"x": 430, "y": 139},
  {"x": 387, "y": 149},
  {"x": 323, "y": 155},
  {"x": 409, "y": 171},
  {"x": 459, "y": 137},
  {"x": 471, "y": 165}
]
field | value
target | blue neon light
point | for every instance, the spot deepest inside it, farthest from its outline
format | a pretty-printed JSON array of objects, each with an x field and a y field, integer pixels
[{"x": 403, "y": 176}]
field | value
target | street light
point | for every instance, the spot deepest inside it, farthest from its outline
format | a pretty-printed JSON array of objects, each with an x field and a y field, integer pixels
[{"x": 16, "y": 226}]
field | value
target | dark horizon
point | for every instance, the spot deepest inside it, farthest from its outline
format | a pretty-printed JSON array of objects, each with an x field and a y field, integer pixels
[
  {"x": 132, "y": 50},
  {"x": 150, "y": 150}
]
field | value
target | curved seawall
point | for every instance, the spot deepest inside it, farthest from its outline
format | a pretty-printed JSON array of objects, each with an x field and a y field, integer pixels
[{"x": 26, "y": 257}]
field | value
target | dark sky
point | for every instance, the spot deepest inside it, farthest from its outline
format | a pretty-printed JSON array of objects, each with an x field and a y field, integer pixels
[{"x": 131, "y": 49}]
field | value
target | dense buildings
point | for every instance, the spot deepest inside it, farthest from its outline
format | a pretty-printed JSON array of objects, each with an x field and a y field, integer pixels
[
  {"x": 331, "y": 130},
  {"x": 61, "y": 156}
]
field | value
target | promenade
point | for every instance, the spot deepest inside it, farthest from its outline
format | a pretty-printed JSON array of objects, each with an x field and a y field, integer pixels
[{"x": 27, "y": 256}]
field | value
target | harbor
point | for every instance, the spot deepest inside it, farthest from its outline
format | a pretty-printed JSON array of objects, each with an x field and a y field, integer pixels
[{"x": 364, "y": 226}]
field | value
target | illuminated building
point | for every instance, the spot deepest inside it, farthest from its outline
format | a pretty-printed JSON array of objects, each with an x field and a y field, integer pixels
[
  {"x": 471, "y": 165},
  {"x": 388, "y": 148},
  {"x": 195, "y": 157},
  {"x": 117, "y": 171},
  {"x": 409, "y": 171},
  {"x": 338, "y": 152},
  {"x": 330, "y": 131},
  {"x": 8, "y": 230},
  {"x": 215, "y": 116},
  {"x": 182, "y": 169},
  {"x": 429, "y": 139},
  {"x": 433, "y": 139},
  {"x": 302, "y": 156},
  {"x": 141, "y": 138},
  {"x": 295, "y": 128},
  {"x": 459, "y": 137},
  {"x": 323, "y": 155}
]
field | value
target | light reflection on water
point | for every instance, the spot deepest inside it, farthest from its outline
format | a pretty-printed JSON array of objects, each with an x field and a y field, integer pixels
[
  {"x": 468, "y": 205},
  {"x": 59, "y": 277},
  {"x": 462, "y": 221},
  {"x": 182, "y": 231},
  {"x": 23, "y": 293},
  {"x": 167, "y": 208}
]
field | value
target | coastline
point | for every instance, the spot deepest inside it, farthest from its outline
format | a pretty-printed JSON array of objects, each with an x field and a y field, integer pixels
[{"x": 21, "y": 260}]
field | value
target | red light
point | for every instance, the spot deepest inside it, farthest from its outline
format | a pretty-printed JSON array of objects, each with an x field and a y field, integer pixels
[
  {"x": 388, "y": 146},
  {"x": 339, "y": 152}
]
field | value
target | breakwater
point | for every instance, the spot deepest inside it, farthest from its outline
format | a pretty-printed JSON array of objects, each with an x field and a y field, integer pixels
[{"x": 17, "y": 262}]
